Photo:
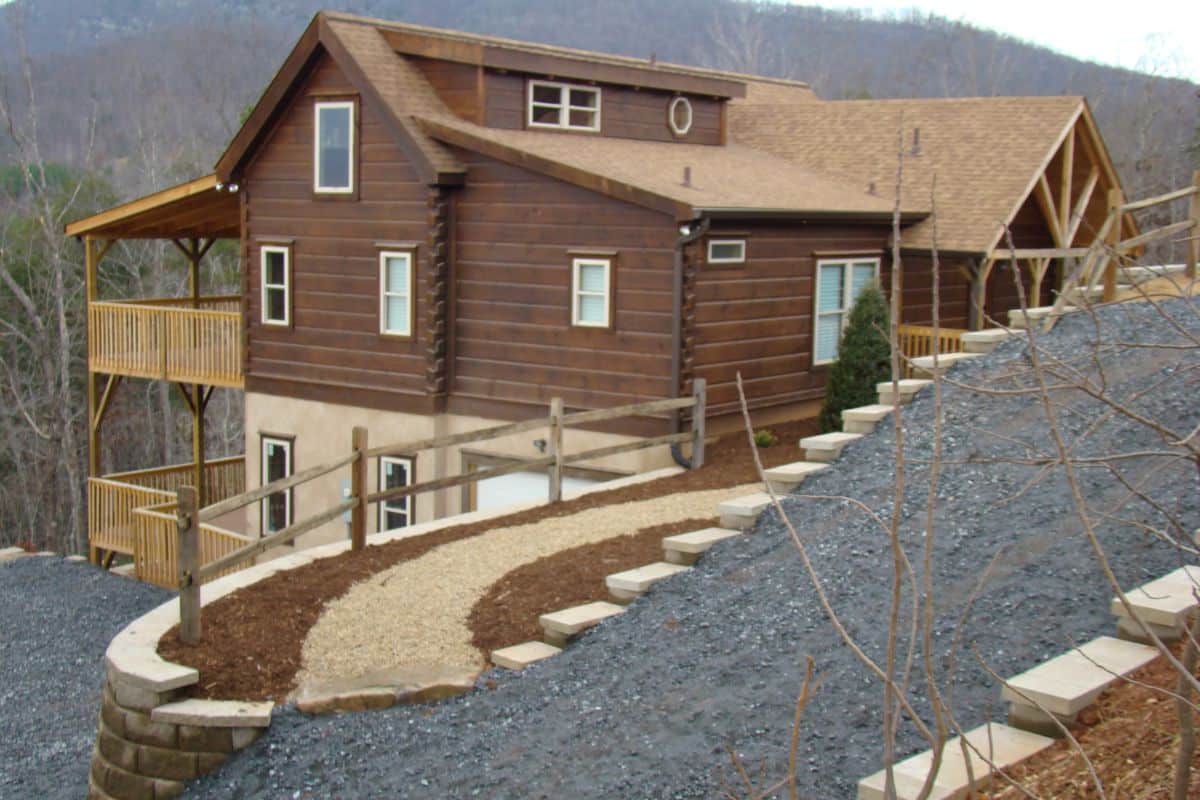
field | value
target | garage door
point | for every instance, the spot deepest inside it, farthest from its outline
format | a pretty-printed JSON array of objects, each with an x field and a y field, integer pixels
[{"x": 521, "y": 487}]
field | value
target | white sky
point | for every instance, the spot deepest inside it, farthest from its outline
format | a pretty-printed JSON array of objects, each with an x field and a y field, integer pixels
[{"x": 1147, "y": 35}]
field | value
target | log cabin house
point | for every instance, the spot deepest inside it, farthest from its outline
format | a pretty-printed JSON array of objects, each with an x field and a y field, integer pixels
[{"x": 441, "y": 231}]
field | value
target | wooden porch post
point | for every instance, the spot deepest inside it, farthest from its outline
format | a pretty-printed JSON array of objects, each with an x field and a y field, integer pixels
[
  {"x": 194, "y": 254},
  {"x": 93, "y": 251},
  {"x": 1193, "y": 243},
  {"x": 1115, "y": 201},
  {"x": 975, "y": 311}
]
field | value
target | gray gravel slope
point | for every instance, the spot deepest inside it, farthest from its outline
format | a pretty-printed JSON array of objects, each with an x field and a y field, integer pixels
[
  {"x": 56, "y": 620},
  {"x": 647, "y": 704}
]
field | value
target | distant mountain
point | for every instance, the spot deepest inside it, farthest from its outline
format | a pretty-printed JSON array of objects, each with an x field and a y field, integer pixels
[{"x": 215, "y": 56}]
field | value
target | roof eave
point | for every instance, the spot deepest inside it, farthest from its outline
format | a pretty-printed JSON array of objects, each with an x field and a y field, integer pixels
[{"x": 816, "y": 214}]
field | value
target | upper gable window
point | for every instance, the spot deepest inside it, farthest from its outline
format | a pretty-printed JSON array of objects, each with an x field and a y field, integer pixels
[
  {"x": 564, "y": 105},
  {"x": 333, "y": 153}
]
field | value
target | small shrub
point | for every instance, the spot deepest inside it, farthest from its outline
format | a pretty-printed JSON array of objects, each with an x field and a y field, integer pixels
[
  {"x": 765, "y": 438},
  {"x": 864, "y": 359}
]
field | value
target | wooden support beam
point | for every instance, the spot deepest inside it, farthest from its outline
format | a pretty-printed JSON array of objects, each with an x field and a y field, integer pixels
[
  {"x": 113, "y": 380},
  {"x": 1064, "y": 189},
  {"x": 198, "y": 471},
  {"x": 1085, "y": 198},
  {"x": 976, "y": 312},
  {"x": 1004, "y": 254},
  {"x": 1114, "y": 237},
  {"x": 187, "y": 398},
  {"x": 1049, "y": 210},
  {"x": 1193, "y": 243}
]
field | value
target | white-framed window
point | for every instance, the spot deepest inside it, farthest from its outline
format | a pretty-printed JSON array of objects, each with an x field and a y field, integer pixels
[
  {"x": 276, "y": 464},
  {"x": 726, "y": 251},
  {"x": 275, "y": 277},
  {"x": 563, "y": 105},
  {"x": 679, "y": 116},
  {"x": 591, "y": 296},
  {"x": 333, "y": 147},
  {"x": 394, "y": 472},
  {"x": 839, "y": 282},
  {"x": 395, "y": 292}
]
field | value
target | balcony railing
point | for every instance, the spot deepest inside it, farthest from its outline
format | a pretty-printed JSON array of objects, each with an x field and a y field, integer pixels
[
  {"x": 134, "y": 513},
  {"x": 917, "y": 341},
  {"x": 168, "y": 339}
]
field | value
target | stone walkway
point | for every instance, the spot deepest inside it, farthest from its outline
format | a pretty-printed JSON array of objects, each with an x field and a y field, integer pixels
[{"x": 414, "y": 615}]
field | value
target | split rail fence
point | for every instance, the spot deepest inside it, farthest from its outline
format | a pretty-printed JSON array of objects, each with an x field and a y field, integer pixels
[{"x": 196, "y": 565}]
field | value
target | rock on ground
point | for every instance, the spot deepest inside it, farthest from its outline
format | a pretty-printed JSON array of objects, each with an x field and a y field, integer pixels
[
  {"x": 56, "y": 620},
  {"x": 652, "y": 702}
]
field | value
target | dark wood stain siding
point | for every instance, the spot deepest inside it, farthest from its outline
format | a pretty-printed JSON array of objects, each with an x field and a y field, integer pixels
[
  {"x": 513, "y": 337},
  {"x": 1028, "y": 230},
  {"x": 917, "y": 290},
  {"x": 456, "y": 84},
  {"x": 758, "y": 318},
  {"x": 334, "y": 337},
  {"x": 624, "y": 112}
]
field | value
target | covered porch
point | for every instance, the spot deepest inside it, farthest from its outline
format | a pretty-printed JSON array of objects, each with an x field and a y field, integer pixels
[{"x": 194, "y": 341}]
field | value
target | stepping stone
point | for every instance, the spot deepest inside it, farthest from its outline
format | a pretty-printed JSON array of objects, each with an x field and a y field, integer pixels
[
  {"x": 1067, "y": 684},
  {"x": 125, "y": 570},
  {"x": 561, "y": 626},
  {"x": 1001, "y": 746},
  {"x": 1017, "y": 318},
  {"x": 907, "y": 389},
  {"x": 12, "y": 554},
  {"x": 77, "y": 559},
  {"x": 785, "y": 478},
  {"x": 864, "y": 418},
  {"x": 827, "y": 446},
  {"x": 926, "y": 366},
  {"x": 742, "y": 512},
  {"x": 1164, "y": 604},
  {"x": 520, "y": 656},
  {"x": 685, "y": 548},
  {"x": 627, "y": 586},
  {"x": 984, "y": 341}
]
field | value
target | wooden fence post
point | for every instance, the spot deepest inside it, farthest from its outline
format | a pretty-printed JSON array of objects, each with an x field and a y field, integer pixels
[
  {"x": 1115, "y": 201},
  {"x": 358, "y": 489},
  {"x": 556, "y": 448},
  {"x": 1193, "y": 241},
  {"x": 188, "y": 522},
  {"x": 699, "y": 394}
]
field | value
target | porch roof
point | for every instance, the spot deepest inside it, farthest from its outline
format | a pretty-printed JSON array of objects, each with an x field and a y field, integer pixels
[{"x": 200, "y": 208}]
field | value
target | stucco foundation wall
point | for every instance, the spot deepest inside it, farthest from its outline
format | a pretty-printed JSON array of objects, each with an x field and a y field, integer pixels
[{"x": 322, "y": 431}]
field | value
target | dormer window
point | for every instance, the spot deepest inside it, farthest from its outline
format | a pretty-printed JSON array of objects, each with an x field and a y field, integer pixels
[
  {"x": 333, "y": 148},
  {"x": 564, "y": 105}
]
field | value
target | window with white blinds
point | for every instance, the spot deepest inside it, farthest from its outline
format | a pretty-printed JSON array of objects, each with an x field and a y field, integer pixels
[
  {"x": 839, "y": 282},
  {"x": 591, "y": 292},
  {"x": 395, "y": 293}
]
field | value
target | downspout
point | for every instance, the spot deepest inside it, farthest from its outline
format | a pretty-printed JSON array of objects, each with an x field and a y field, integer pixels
[{"x": 689, "y": 233}]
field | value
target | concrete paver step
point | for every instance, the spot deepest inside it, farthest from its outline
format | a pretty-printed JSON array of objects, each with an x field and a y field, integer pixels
[
  {"x": 1165, "y": 603},
  {"x": 560, "y": 626},
  {"x": 1017, "y": 318},
  {"x": 1069, "y": 683},
  {"x": 787, "y": 477},
  {"x": 520, "y": 656},
  {"x": 864, "y": 418},
  {"x": 632, "y": 583},
  {"x": 826, "y": 446},
  {"x": 741, "y": 513},
  {"x": 927, "y": 366},
  {"x": 12, "y": 554},
  {"x": 906, "y": 390},
  {"x": 685, "y": 548},
  {"x": 984, "y": 341},
  {"x": 990, "y": 746}
]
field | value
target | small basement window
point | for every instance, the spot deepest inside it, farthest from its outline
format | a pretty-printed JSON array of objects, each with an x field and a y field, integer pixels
[
  {"x": 394, "y": 472},
  {"x": 590, "y": 292},
  {"x": 563, "y": 105},
  {"x": 276, "y": 465},
  {"x": 726, "y": 251},
  {"x": 333, "y": 148},
  {"x": 839, "y": 283},
  {"x": 395, "y": 293},
  {"x": 275, "y": 276}
]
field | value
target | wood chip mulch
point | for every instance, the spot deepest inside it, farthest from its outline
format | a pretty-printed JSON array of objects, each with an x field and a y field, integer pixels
[
  {"x": 252, "y": 639},
  {"x": 1130, "y": 734}
]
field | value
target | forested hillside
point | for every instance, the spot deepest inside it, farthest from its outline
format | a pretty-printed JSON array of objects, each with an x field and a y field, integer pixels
[{"x": 112, "y": 98}]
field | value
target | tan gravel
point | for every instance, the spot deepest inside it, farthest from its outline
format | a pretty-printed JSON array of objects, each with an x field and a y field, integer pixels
[{"x": 415, "y": 614}]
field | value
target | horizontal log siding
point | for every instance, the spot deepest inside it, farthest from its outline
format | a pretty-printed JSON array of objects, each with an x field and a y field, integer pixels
[
  {"x": 1028, "y": 230},
  {"x": 758, "y": 318},
  {"x": 917, "y": 288},
  {"x": 513, "y": 337},
  {"x": 624, "y": 112},
  {"x": 456, "y": 84},
  {"x": 334, "y": 337}
]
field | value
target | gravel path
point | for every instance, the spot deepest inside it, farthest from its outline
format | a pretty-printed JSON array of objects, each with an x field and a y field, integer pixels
[
  {"x": 415, "y": 614},
  {"x": 646, "y": 704},
  {"x": 56, "y": 620}
]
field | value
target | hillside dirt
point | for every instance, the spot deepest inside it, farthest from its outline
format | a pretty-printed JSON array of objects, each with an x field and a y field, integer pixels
[{"x": 253, "y": 639}]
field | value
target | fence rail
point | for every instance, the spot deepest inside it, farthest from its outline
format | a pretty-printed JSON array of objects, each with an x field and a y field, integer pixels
[
  {"x": 168, "y": 339},
  {"x": 191, "y": 520}
]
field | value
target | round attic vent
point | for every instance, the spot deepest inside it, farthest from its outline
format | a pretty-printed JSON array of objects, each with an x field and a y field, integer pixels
[{"x": 679, "y": 116}]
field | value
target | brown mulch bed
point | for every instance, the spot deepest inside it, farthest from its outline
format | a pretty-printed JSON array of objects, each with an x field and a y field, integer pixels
[
  {"x": 252, "y": 639},
  {"x": 508, "y": 613},
  {"x": 1130, "y": 735}
]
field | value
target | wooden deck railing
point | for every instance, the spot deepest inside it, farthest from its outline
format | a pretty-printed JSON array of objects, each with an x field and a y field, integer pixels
[
  {"x": 120, "y": 504},
  {"x": 156, "y": 551},
  {"x": 190, "y": 550},
  {"x": 168, "y": 339},
  {"x": 917, "y": 341}
]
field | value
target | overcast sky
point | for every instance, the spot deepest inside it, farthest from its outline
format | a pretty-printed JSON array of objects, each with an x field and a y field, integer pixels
[{"x": 1148, "y": 35}]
